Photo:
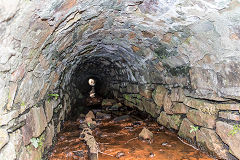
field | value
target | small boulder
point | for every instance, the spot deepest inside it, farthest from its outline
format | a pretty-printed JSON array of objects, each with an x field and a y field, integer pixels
[
  {"x": 146, "y": 134},
  {"x": 120, "y": 154},
  {"x": 90, "y": 115},
  {"x": 121, "y": 118},
  {"x": 100, "y": 115}
]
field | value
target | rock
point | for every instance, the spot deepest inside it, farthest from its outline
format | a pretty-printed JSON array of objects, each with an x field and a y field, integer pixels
[
  {"x": 121, "y": 118},
  {"x": 184, "y": 130},
  {"x": 120, "y": 154},
  {"x": 115, "y": 107},
  {"x": 158, "y": 95},
  {"x": 90, "y": 115},
  {"x": 224, "y": 129},
  {"x": 179, "y": 108},
  {"x": 132, "y": 88},
  {"x": 146, "y": 134},
  {"x": 145, "y": 91},
  {"x": 108, "y": 102},
  {"x": 49, "y": 110},
  {"x": 201, "y": 105},
  {"x": 49, "y": 135},
  {"x": 208, "y": 139},
  {"x": 4, "y": 138},
  {"x": 201, "y": 119},
  {"x": 151, "y": 155},
  {"x": 90, "y": 122},
  {"x": 167, "y": 104},
  {"x": 151, "y": 108},
  {"x": 235, "y": 116},
  {"x": 5, "y": 118},
  {"x": 170, "y": 121},
  {"x": 100, "y": 115},
  {"x": 177, "y": 95}
]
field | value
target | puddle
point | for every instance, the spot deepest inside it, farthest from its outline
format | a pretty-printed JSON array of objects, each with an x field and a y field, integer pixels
[{"x": 119, "y": 140}]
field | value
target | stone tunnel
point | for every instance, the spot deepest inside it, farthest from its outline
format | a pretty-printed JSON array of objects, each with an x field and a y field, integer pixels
[{"x": 176, "y": 60}]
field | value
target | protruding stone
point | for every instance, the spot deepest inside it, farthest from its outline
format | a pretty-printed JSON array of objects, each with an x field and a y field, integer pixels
[
  {"x": 179, "y": 108},
  {"x": 90, "y": 115},
  {"x": 185, "y": 129},
  {"x": 208, "y": 139},
  {"x": 167, "y": 104},
  {"x": 4, "y": 119},
  {"x": 229, "y": 115},
  {"x": 201, "y": 105},
  {"x": 158, "y": 95},
  {"x": 145, "y": 92},
  {"x": 4, "y": 138},
  {"x": 146, "y": 134},
  {"x": 151, "y": 108},
  {"x": 201, "y": 119},
  {"x": 177, "y": 95},
  {"x": 170, "y": 121},
  {"x": 49, "y": 135},
  {"x": 224, "y": 130},
  {"x": 49, "y": 110}
]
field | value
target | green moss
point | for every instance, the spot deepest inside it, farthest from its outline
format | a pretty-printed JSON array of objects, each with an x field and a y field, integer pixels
[
  {"x": 162, "y": 52},
  {"x": 176, "y": 71},
  {"x": 177, "y": 119},
  {"x": 235, "y": 130}
]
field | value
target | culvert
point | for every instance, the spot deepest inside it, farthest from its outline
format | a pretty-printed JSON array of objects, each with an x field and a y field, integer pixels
[{"x": 176, "y": 61}]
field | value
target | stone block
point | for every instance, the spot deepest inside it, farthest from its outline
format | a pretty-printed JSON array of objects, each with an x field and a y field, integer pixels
[
  {"x": 167, "y": 104},
  {"x": 132, "y": 88},
  {"x": 208, "y": 139},
  {"x": 170, "y": 121},
  {"x": 224, "y": 129},
  {"x": 151, "y": 108},
  {"x": 201, "y": 105},
  {"x": 185, "y": 129},
  {"x": 201, "y": 119},
  {"x": 158, "y": 95},
  {"x": 177, "y": 95},
  {"x": 35, "y": 124},
  {"x": 49, "y": 105},
  {"x": 4, "y": 138},
  {"x": 5, "y": 118},
  {"x": 179, "y": 108},
  {"x": 235, "y": 116},
  {"x": 145, "y": 91},
  {"x": 49, "y": 135}
]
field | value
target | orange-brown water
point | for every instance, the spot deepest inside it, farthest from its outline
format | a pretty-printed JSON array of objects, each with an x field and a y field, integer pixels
[{"x": 122, "y": 138}]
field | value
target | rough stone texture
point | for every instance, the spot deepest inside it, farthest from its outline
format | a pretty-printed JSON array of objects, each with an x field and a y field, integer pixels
[
  {"x": 52, "y": 46},
  {"x": 146, "y": 134},
  {"x": 151, "y": 108},
  {"x": 167, "y": 104},
  {"x": 229, "y": 115},
  {"x": 172, "y": 121},
  {"x": 201, "y": 105},
  {"x": 158, "y": 95},
  {"x": 223, "y": 129},
  {"x": 4, "y": 138},
  {"x": 208, "y": 139},
  {"x": 184, "y": 130},
  {"x": 179, "y": 108},
  {"x": 201, "y": 119},
  {"x": 49, "y": 134},
  {"x": 4, "y": 119},
  {"x": 49, "y": 110},
  {"x": 145, "y": 91}
]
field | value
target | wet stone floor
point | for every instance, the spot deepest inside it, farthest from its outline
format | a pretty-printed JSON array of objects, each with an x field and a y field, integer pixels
[{"x": 117, "y": 138}]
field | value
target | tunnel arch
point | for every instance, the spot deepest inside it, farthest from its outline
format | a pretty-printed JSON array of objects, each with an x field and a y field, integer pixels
[{"x": 138, "y": 49}]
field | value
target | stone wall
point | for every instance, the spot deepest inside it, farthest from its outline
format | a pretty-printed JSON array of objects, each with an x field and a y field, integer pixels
[
  {"x": 209, "y": 125},
  {"x": 49, "y": 47}
]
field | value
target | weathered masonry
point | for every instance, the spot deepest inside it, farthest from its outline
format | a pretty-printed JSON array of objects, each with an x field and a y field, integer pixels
[{"x": 177, "y": 60}]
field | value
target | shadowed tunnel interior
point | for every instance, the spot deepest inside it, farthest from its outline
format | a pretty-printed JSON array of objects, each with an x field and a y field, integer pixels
[{"x": 176, "y": 61}]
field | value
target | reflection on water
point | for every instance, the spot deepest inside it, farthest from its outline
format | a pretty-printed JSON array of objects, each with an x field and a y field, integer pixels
[{"x": 120, "y": 141}]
